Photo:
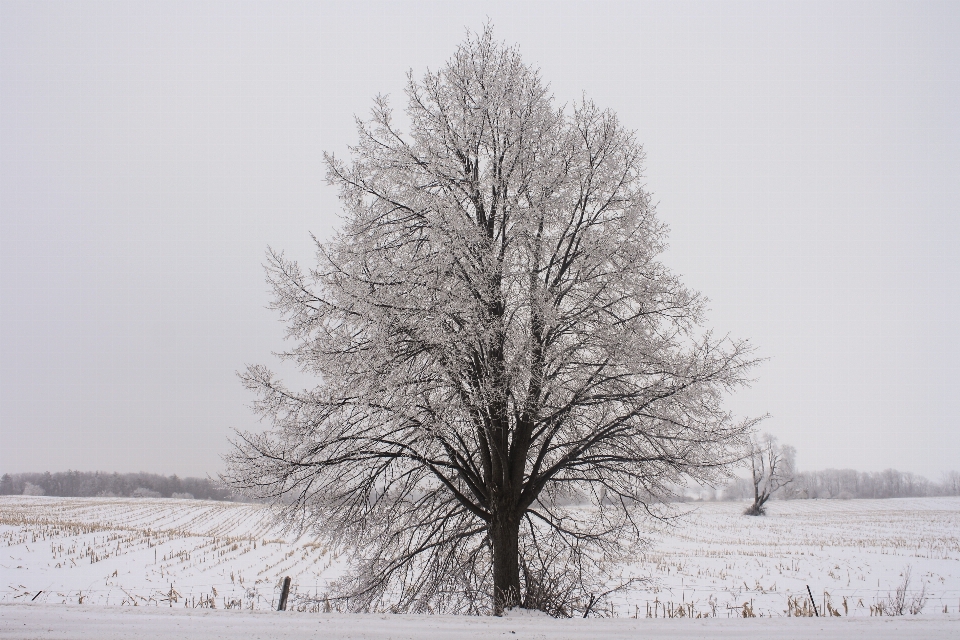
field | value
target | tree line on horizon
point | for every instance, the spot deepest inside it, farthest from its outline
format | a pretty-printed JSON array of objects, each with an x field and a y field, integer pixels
[
  {"x": 851, "y": 484},
  {"x": 89, "y": 484},
  {"x": 774, "y": 474},
  {"x": 823, "y": 484}
]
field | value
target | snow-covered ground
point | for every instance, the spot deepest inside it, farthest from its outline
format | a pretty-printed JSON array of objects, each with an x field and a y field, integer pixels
[
  {"x": 74, "y": 622},
  {"x": 142, "y": 551},
  {"x": 851, "y": 553},
  {"x": 189, "y": 554}
]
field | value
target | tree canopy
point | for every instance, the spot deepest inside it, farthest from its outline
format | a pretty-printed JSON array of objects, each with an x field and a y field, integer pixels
[{"x": 494, "y": 340}]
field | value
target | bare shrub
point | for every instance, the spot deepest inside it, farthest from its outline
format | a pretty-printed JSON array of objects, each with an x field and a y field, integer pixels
[{"x": 901, "y": 602}]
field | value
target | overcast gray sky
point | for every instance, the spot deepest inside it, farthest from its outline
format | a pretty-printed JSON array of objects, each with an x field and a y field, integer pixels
[{"x": 806, "y": 156}]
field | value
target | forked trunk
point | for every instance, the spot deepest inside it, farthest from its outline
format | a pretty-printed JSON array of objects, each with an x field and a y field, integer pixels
[{"x": 505, "y": 537}]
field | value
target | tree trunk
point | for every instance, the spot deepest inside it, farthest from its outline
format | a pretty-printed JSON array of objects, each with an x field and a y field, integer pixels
[{"x": 505, "y": 537}]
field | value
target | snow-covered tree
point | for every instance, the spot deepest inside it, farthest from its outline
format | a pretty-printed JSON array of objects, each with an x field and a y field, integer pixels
[
  {"x": 493, "y": 339},
  {"x": 772, "y": 467}
]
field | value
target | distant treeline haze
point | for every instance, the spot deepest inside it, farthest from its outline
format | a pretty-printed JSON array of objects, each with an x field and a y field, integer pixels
[
  {"x": 848, "y": 483},
  {"x": 829, "y": 483},
  {"x": 81, "y": 484}
]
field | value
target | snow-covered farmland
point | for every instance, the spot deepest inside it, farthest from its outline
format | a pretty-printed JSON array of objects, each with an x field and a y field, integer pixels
[
  {"x": 851, "y": 553},
  {"x": 710, "y": 561},
  {"x": 129, "y": 551}
]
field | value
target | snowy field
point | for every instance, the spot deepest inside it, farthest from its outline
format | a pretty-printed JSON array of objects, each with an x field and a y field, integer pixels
[
  {"x": 75, "y": 622},
  {"x": 712, "y": 561}
]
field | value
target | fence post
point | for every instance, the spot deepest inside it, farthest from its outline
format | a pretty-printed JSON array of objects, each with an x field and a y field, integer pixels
[
  {"x": 813, "y": 602},
  {"x": 284, "y": 593}
]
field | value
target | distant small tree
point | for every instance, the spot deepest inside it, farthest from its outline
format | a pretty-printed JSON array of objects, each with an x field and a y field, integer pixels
[{"x": 771, "y": 467}]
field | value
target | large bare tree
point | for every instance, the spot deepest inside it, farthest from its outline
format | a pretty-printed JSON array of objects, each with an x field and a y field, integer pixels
[{"x": 494, "y": 339}]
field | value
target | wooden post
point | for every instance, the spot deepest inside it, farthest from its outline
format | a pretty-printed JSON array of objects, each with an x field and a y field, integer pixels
[
  {"x": 284, "y": 593},
  {"x": 810, "y": 593}
]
